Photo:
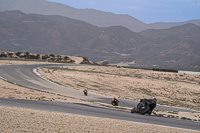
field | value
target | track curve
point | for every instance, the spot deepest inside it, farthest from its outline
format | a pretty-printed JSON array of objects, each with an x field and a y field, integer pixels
[{"x": 24, "y": 75}]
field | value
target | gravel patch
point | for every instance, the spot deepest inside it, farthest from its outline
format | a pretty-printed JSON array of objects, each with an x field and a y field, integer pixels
[{"x": 18, "y": 120}]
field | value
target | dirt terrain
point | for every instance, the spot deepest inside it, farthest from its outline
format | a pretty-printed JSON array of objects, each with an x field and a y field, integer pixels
[
  {"x": 18, "y": 119},
  {"x": 17, "y": 62},
  {"x": 171, "y": 89}
]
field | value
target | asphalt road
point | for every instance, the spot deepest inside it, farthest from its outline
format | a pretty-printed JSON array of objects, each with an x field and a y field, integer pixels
[
  {"x": 86, "y": 110},
  {"x": 24, "y": 75}
]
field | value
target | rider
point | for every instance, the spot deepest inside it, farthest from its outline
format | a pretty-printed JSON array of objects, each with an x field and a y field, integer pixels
[
  {"x": 151, "y": 103},
  {"x": 114, "y": 100},
  {"x": 85, "y": 91}
]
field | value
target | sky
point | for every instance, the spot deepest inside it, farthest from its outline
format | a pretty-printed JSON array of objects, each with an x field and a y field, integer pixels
[{"x": 147, "y": 11}]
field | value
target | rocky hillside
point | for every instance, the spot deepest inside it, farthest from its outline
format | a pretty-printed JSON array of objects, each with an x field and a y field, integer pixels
[
  {"x": 61, "y": 35},
  {"x": 44, "y": 34},
  {"x": 34, "y": 56},
  {"x": 176, "y": 46}
]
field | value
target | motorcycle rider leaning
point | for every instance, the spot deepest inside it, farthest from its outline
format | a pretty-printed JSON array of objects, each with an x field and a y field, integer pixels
[
  {"x": 85, "y": 92},
  {"x": 145, "y": 106},
  {"x": 114, "y": 101}
]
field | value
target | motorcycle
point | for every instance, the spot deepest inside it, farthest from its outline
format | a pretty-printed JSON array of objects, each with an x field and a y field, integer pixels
[
  {"x": 145, "y": 106},
  {"x": 85, "y": 92},
  {"x": 114, "y": 102},
  {"x": 141, "y": 108}
]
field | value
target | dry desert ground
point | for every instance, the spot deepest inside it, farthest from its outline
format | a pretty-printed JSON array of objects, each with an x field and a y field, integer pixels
[
  {"x": 171, "y": 89},
  {"x": 102, "y": 80}
]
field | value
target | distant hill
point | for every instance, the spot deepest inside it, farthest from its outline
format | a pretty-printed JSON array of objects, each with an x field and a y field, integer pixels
[
  {"x": 176, "y": 45},
  {"x": 43, "y": 34},
  {"x": 163, "y": 25},
  {"x": 61, "y": 35},
  {"x": 51, "y": 34},
  {"x": 95, "y": 17}
]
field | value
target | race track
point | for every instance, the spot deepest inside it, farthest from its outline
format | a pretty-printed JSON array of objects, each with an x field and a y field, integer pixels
[{"x": 24, "y": 75}]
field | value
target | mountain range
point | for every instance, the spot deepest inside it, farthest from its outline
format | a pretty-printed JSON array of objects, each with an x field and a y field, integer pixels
[
  {"x": 94, "y": 17},
  {"x": 53, "y": 34}
]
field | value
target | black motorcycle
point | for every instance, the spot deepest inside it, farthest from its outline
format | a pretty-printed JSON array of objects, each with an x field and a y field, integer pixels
[
  {"x": 145, "y": 106},
  {"x": 85, "y": 92}
]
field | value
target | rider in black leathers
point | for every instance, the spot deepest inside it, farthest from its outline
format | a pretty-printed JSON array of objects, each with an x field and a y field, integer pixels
[
  {"x": 145, "y": 106},
  {"x": 85, "y": 92}
]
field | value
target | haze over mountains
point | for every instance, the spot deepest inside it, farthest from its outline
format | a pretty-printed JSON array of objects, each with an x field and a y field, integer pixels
[
  {"x": 96, "y": 34},
  {"x": 95, "y": 17},
  {"x": 61, "y": 35}
]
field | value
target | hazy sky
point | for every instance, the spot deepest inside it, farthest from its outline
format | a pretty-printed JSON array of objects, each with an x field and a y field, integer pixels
[{"x": 148, "y": 11}]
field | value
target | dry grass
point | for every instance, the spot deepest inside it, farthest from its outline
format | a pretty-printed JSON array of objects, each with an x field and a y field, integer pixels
[{"x": 172, "y": 89}]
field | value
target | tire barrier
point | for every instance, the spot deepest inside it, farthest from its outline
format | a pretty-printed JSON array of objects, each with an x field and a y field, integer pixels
[{"x": 165, "y": 70}]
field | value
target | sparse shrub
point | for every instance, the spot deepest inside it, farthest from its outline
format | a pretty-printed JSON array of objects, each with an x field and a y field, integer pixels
[
  {"x": 18, "y": 53},
  {"x": 105, "y": 63},
  {"x": 44, "y": 57},
  {"x": 10, "y": 55},
  {"x": 3, "y": 55},
  {"x": 27, "y": 54},
  {"x": 173, "y": 112},
  {"x": 183, "y": 118},
  {"x": 160, "y": 114},
  {"x": 171, "y": 116},
  {"x": 66, "y": 58},
  {"x": 52, "y": 55}
]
